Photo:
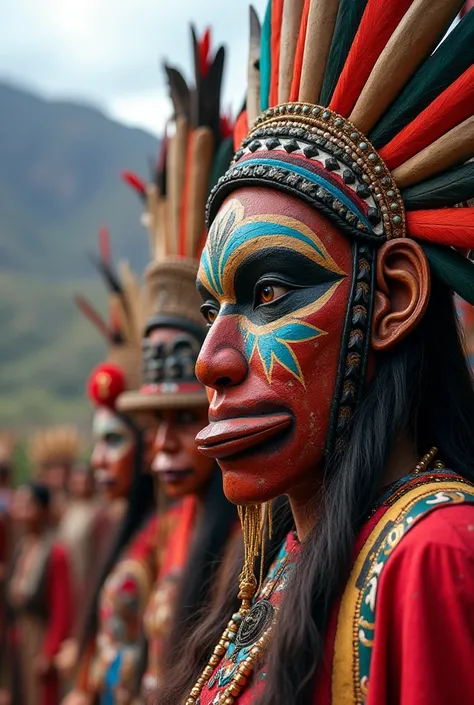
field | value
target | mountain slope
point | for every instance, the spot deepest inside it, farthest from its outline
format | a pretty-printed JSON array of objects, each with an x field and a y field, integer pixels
[
  {"x": 60, "y": 169},
  {"x": 60, "y": 180}
]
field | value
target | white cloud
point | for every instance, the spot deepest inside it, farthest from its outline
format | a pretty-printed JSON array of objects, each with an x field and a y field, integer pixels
[{"x": 110, "y": 53}]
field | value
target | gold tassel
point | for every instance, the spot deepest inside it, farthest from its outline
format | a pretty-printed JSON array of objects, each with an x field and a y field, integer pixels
[
  {"x": 254, "y": 519},
  {"x": 321, "y": 21},
  {"x": 290, "y": 25},
  {"x": 253, "y": 77},
  {"x": 413, "y": 40},
  {"x": 250, "y": 519},
  {"x": 453, "y": 148},
  {"x": 200, "y": 166}
]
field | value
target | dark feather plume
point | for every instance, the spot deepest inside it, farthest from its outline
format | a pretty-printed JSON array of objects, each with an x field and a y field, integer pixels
[
  {"x": 347, "y": 23},
  {"x": 222, "y": 159},
  {"x": 453, "y": 56},
  {"x": 179, "y": 92},
  {"x": 448, "y": 189},
  {"x": 105, "y": 270},
  {"x": 453, "y": 269}
]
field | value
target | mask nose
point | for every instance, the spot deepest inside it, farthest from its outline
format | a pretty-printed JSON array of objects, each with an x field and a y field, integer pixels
[
  {"x": 225, "y": 368},
  {"x": 165, "y": 439}
]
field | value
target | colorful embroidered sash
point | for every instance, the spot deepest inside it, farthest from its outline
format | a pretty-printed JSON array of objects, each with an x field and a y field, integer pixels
[{"x": 357, "y": 615}]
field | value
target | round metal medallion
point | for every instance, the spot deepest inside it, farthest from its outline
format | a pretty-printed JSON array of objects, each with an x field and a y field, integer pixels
[{"x": 254, "y": 624}]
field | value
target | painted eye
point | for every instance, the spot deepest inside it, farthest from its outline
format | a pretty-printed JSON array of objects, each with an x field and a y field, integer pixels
[
  {"x": 210, "y": 313},
  {"x": 266, "y": 293}
]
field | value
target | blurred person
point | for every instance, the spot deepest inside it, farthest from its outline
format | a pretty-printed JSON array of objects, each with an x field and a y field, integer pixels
[
  {"x": 85, "y": 528},
  {"x": 109, "y": 646},
  {"x": 200, "y": 524},
  {"x": 53, "y": 453},
  {"x": 7, "y": 447},
  {"x": 38, "y": 599}
]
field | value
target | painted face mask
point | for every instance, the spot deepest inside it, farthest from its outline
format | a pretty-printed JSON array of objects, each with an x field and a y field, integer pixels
[
  {"x": 113, "y": 454},
  {"x": 275, "y": 279}
]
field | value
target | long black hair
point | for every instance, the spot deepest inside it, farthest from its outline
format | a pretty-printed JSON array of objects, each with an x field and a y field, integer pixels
[
  {"x": 422, "y": 389},
  {"x": 217, "y": 523},
  {"x": 140, "y": 507}
]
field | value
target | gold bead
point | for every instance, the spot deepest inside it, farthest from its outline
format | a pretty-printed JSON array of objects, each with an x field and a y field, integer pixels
[
  {"x": 214, "y": 660},
  {"x": 241, "y": 679},
  {"x": 234, "y": 689}
]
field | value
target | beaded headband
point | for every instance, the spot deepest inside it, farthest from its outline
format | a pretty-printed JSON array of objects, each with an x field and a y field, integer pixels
[{"x": 320, "y": 157}]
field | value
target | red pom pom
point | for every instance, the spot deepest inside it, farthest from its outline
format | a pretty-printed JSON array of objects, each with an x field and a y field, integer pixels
[{"x": 105, "y": 384}]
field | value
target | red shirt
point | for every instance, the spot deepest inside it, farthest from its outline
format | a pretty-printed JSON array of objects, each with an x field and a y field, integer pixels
[{"x": 423, "y": 651}]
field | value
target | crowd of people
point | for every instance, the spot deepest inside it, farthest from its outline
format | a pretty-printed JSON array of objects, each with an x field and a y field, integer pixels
[{"x": 278, "y": 507}]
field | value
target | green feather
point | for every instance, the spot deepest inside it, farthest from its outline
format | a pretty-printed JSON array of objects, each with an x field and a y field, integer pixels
[
  {"x": 452, "y": 269},
  {"x": 448, "y": 189},
  {"x": 222, "y": 161},
  {"x": 453, "y": 56},
  {"x": 266, "y": 59},
  {"x": 348, "y": 19}
]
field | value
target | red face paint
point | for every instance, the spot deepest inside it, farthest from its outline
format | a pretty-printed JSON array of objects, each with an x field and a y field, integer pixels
[{"x": 275, "y": 278}]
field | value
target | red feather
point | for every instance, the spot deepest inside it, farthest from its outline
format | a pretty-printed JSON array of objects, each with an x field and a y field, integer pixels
[
  {"x": 134, "y": 181},
  {"x": 468, "y": 6},
  {"x": 452, "y": 227},
  {"x": 277, "y": 17},
  {"x": 241, "y": 129},
  {"x": 379, "y": 21},
  {"x": 204, "y": 53},
  {"x": 227, "y": 125},
  {"x": 450, "y": 108},
  {"x": 298, "y": 65},
  {"x": 91, "y": 314},
  {"x": 104, "y": 244}
]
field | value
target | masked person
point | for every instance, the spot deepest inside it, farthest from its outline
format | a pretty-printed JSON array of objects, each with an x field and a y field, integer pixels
[
  {"x": 201, "y": 523},
  {"x": 109, "y": 647},
  {"x": 53, "y": 452},
  {"x": 38, "y": 598},
  {"x": 334, "y": 362}
]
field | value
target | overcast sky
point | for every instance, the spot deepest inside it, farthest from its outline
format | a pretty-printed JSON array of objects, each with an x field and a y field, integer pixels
[{"x": 108, "y": 52}]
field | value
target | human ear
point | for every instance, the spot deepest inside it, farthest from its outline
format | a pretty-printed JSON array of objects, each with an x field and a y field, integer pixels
[{"x": 402, "y": 293}]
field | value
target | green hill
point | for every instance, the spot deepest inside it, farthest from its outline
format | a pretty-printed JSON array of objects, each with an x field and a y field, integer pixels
[{"x": 60, "y": 169}]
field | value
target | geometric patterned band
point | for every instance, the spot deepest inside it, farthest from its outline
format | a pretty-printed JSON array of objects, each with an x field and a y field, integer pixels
[{"x": 320, "y": 157}]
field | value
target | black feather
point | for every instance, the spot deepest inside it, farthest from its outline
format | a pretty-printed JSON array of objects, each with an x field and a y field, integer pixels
[
  {"x": 179, "y": 92},
  {"x": 209, "y": 95},
  {"x": 105, "y": 270},
  {"x": 347, "y": 22},
  {"x": 453, "y": 56},
  {"x": 452, "y": 268},
  {"x": 448, "y": 189}
]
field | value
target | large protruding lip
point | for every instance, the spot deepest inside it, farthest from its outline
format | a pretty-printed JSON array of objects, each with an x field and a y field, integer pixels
[{"x": 227, "y": 437}]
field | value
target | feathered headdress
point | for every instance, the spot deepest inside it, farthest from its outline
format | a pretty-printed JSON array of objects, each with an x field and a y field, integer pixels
[
  {"x": 58, "y": 444},
  {"x": 121, "y": 370},
  {"x": 195, "y": 152},
  {"x": 189, "y": 164},
  {"x": 365, "y": 110}
]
